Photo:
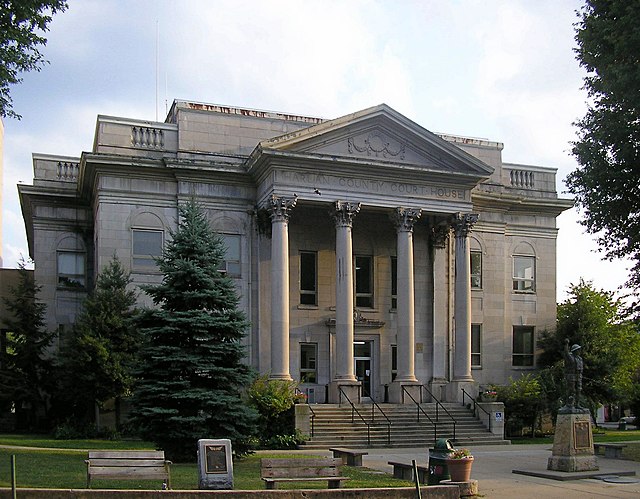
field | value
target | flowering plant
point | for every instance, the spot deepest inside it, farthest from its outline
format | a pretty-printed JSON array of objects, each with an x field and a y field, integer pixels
[
  {"x": 461, "y": 453},
  {"x": 490, "y": 393}
]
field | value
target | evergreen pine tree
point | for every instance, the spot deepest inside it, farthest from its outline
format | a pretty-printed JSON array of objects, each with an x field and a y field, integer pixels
[
  {"x": 97, "y": 359},
  {"x": 192, "y": 376},
  {"x": 26, "y": 369}
]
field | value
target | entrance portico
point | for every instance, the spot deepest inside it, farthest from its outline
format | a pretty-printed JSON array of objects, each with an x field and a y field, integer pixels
[{"x": 380, "y": 162}]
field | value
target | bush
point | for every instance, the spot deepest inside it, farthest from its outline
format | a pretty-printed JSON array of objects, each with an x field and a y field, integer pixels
[
  {"x": 274, "y": 400},
  {"x": 521, "y": 399}
]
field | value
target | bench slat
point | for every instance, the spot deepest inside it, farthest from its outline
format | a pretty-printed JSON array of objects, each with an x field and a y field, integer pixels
[
  {"x": 127, "y": 462},
  {"x": 130, "y": 472},
  {"x": 133, "y": 454},
  {"x": 278, "y": 470}
]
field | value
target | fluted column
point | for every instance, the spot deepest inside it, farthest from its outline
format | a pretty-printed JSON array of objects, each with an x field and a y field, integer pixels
[
  {"x": 280, "y": 210},
  {"x": 462, "y": 225},
  {"x": 344, "y": 213},
  {"x": 404, "y": 219}
]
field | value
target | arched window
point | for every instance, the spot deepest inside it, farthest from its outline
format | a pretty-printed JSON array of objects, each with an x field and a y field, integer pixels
[
  {"x": 147, "y": 241},
  {"x": 71, "y": 265},
  {"x": 524, "y": 269}
]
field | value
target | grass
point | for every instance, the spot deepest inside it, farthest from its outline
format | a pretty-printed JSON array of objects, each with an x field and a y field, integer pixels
[{"x": 60, "y": 464}]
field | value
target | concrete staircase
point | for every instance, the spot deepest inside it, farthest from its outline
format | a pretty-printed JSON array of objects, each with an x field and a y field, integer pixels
[{"x": 334, "y": 426}]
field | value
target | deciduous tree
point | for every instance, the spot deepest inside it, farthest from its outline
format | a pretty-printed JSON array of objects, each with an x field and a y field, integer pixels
[
  {"x": 606, "y": 185},
  {"x": 22, "y": 25}
]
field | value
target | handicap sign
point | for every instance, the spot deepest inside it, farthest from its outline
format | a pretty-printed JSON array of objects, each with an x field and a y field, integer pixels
[{"x": 498, "y": 416}]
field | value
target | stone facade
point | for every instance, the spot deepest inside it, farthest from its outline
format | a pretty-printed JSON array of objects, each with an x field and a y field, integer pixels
[{"x": 373, "y": 257}]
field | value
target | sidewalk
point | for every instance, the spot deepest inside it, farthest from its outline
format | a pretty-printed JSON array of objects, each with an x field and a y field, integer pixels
[{"x": 493, "y": 467}]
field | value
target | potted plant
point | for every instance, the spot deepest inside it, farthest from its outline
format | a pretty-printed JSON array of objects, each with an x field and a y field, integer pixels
[{"x": 459, "y": 464}]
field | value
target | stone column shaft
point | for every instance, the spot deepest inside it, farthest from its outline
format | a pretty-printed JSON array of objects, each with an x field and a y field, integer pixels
[
  {"x": 344, "y": 213},
  {"x": 280, "y": 209},
  {"x": 462, "y": 310},
  {"x": 405, "y": 219}
]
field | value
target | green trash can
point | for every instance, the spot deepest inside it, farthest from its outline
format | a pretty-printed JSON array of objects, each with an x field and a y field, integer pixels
[{"x": 438, "y": 469}]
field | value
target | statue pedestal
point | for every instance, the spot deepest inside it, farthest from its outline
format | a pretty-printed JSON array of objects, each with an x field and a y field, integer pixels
[{"x": 573, "y": 444}]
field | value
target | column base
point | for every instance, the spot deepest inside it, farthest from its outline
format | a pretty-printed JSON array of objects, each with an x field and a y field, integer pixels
[
  {"x": 454, "y": 390},
  {"x": 399, "y": 396},
  {"x": 283, "y": 377},
  {"x": 438, "y": 387},
  {"x": 338, "y": 389}
]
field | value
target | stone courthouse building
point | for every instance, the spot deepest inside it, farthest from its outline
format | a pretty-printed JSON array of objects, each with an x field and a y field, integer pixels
[{"x": 371, "y": 255}]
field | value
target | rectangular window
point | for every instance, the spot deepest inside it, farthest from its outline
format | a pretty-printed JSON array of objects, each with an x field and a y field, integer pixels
[
  {"x": 147, "y": 246},
  {"x": 524, "y": 273},
  {"x": 394, "y": 282},
  {"x": 523, "y": 337},
  {"x": 364, "y": 281},
  {"x": 476, "y": 342},
  {"x": 308, "y": 364},
  {"x": 231, "y": 265},
  {"x": 71, "y": 269},
  {"x": 308, "y": 278},
  {"x": 394, "y": 362},
  {"x": 476, "y": 270}
]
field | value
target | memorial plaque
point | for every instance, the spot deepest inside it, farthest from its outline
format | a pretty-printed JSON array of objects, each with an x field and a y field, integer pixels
[
  {"x": 582, "y": 434},
  {"x": 215, "y": 466},
  {"x": 216, "y": 459}
]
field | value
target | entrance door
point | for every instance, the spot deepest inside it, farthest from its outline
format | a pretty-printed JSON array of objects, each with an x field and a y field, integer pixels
[{"x": 362, "y": 360}]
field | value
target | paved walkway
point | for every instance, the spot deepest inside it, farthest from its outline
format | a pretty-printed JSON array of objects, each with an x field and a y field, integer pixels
[{"x": 493, "y": 467}]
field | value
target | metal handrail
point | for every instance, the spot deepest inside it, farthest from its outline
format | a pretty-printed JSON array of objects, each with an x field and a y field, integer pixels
[
  {"x": 354, "y": 410},
  {"x": 439, "y": 404},
  {"x": 419, "y": 410},
  {"x": 476, "y": 405},
  {"x": 374, "y": 406}
]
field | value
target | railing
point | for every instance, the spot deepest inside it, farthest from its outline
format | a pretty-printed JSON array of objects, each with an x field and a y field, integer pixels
[
  {"x": 67, "y": 171},
  {"x": 523, "y": 179},
  {"x": 439, "y": 405},
  {"x": 374, "y": 406},
  {"x": 149, "y": 137},
  {"x": 476, "y": 406},
  {"x": 354, "y": 411},
  {"x": 421, "y": 410},
  {"x": 313, "y": 413}
]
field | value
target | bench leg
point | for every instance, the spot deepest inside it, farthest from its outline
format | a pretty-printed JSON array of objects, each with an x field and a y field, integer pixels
[
  {"x": 271, "y": 485},
  {"x": 354, "y": 460},
  {"x": 334, "y": 484}
]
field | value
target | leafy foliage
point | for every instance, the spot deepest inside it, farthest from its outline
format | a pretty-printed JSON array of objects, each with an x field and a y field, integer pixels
[
  {"x": 522, "y": 402},
  {"x": 25, "y": 372},
  {"x": 606, "y": 185},
  {"x": 96, "y": 362},
  {"x": 192, "y": 375},
  {"x": 610, "y": 346},
  {"x": 274, "y": 400},
  {"x": 22, "y": 24}
]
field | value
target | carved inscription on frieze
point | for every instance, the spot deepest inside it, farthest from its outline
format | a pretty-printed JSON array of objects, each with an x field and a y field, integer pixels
[{"x": 368, "y": 185}]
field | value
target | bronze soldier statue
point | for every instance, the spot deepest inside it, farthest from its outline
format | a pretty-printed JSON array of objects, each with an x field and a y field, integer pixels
[{"x": 573, "y": 367}]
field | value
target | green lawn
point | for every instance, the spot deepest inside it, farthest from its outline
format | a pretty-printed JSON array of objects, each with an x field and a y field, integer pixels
[
  {"x": 599, "y": 435},
  {"x": 60, "y": 464}
]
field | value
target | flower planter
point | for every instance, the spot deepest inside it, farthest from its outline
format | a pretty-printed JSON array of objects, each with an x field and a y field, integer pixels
[{"x": 460, "y": 469}]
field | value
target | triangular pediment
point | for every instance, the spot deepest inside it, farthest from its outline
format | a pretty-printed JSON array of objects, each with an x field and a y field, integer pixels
[{"x": 378, "y": 135}]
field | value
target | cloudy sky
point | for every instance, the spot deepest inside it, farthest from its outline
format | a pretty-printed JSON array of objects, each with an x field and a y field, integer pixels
[{"x": 500, "y": 70}]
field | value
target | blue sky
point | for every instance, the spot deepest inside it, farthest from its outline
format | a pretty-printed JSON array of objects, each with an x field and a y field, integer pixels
[{"x": 500, "y": 70}]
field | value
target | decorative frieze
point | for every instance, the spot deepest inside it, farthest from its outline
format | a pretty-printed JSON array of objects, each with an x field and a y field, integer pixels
[
  {"x": 344, "y": 213},
  {"x": 405, "y": 218},
  {"x": 376, "y": 144},
  {"x": 280, "y": 207}
]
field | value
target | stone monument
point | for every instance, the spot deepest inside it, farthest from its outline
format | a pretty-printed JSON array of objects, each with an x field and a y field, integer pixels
[
  {"x": 215, "y": 466},
  {"x": 573, "y": 439}
]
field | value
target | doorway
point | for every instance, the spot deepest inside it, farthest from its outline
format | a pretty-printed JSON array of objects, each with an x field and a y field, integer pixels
[{"x": 363, "y": 364}]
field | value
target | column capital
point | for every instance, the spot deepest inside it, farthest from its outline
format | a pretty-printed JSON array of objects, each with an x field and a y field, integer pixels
[
  {"x": 463, "y": 223},
  {"x": 344, "y": 213},
  {"x": 280, "y": 207},
  {"x": 405, "y": 218},
  {"x": 439, "y": 235}
]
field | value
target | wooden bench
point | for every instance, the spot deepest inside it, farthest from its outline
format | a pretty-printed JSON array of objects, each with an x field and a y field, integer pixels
[
  {"x": 325, "y": 469},
  {"x": 350, "y": 457},
  {"x": 404, "y": 471},
  {"x": 128, "y": 465},
  {"x": 610, "y": 450}
]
